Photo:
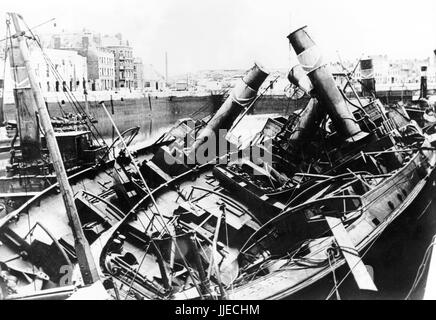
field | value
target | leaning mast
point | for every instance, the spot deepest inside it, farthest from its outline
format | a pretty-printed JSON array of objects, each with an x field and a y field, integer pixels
[{"x": 86, "y": 262}]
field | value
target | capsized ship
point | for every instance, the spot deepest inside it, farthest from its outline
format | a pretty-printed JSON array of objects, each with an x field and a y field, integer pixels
[
  {"x": 196, "y": 217},
  {"x": 34, "y": 257},
  {"x": 239, "y": 227}
]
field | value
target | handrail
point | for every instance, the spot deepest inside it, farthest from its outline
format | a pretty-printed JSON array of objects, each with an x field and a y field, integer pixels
[
  {"x": 229, "y": 200},
  {"x": 329, "y": 180},
  {"x": 55, "y": 241},
  {"x": 107, "y": 235},
  {"x": 114, "y": 208},
  {"x": 297, "y": 208}
]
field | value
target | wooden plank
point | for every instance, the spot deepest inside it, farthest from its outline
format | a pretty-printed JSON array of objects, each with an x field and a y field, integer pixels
[
  {"x": 159, "y": 171},
  {"x": 18, "y": 194},
  {"x": 351, "y": 255}
]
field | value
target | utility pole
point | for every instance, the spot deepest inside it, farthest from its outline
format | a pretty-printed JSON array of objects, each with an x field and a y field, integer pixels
[{"x": 83, "y": 251}]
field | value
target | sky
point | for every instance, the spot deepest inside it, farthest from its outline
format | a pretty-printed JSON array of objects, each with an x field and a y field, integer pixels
[{"x": 231, "y": 34}]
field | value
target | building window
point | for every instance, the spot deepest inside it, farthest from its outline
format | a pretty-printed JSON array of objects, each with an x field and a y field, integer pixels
[
  {"x": 57, "y": 86},
  {"x": 48, "y": 86}
]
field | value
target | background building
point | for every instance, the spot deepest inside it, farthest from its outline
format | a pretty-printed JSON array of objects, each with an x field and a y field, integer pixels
[
  {"x": 153, "y": 80},
  {"x": 71, "y": 40},
  {"x": 398, "y": 73},
  {"x": 101, "y": 68},
  {"x": 138, "y": 74},
  {"x": 66, "y": 69},
  {"x": 109, "y": 58},
  {"x": 123, "y": 57}
]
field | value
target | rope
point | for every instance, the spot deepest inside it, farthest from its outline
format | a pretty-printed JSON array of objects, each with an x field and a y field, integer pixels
[
  {"x": 165, "y": 225},
  {"x": 360, "y": 259},
  {"x": 330, "y": 254},
  {"x": 422, "y": 267},
  {"x": 73, "y": 100},
  {"x": 251, "y": 104},
  {"x": 69, "y": 95},
  {"x": 297, "y": 246},
  {"x": 37, "y": 26}
]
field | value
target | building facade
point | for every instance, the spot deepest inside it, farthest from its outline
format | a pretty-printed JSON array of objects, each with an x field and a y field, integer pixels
[
  {"x": 153, "y": 80},
  {"x": 123, "y": 57},
  {"x": 66, "y": 70},
  {"x": 71, "y": 40},
  {"x": 101, "y": 68},
  {"x": 138, "y": 74},
  {"x": 399, "y": 72},
  {"x": 105, "y": 70}
]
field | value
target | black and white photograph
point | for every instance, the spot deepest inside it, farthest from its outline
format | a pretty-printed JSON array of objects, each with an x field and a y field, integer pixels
[{"x": 237, "y": 151}]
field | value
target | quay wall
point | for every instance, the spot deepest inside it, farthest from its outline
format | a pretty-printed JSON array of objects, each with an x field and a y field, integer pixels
[
  {"x": 165, "y": 107},
  {"x": 163, "y": 111}
]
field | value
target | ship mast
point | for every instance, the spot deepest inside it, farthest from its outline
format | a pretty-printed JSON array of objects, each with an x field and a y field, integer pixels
[
  {"x": 2, "y": 91},
  {"x": 83, "y": 251}
]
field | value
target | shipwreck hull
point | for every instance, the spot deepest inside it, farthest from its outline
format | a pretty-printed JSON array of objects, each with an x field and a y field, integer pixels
[
  {"x": 412, "y": 178},
  {"x": 382, "y": 205},
  {"x": 40, "y": 228}
]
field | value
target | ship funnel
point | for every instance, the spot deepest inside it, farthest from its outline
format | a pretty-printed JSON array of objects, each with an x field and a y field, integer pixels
[
  {"x": 309, "y": 119},
  {"x": 368, "y": 80},
  {"x": 330, "y": 97},
  {"x": 242, "y": 95},
  {"x": 423, "y": 87},
  {"x": 298, "y": 77}
]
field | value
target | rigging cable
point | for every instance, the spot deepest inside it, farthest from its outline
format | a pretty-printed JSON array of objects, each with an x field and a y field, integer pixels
[
  {"x": 422, "y": 267},
  {"x": 8, "y": 31},
  {"x": 330, "y": 253},
  {"x": 70, "y": 96}
]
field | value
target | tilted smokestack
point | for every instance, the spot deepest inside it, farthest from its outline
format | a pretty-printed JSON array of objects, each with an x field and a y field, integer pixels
[
  {"x": 309, "y": 119},
  {"x": 423, "y": 87},
  {"x": 241, "y": 96},
  {"x": 324, "y": 85},
  {"x": 298, "y": 77},
  {"x": 368, "y": 80}
]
